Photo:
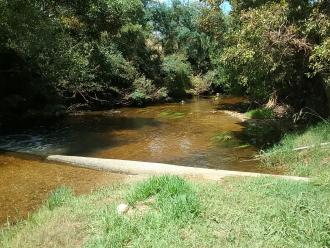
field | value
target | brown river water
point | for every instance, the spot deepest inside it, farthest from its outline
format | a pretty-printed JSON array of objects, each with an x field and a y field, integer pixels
[{"x": 194, "y": 133}]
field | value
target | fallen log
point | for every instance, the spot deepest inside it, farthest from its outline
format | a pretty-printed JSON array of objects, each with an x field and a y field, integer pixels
[
  {"x": 145, "y": 168},
  {"x": 258, "y": 157},
  {"x": 311, "y": 146}
]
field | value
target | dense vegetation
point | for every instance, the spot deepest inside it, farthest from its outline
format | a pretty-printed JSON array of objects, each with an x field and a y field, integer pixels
[{"x": 100, "y": 53}]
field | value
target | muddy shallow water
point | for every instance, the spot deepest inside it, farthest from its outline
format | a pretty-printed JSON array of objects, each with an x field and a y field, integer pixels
[
  {"x": 189, "y": 134},
  {"x": 27, "y": 181},
  {"x": 194, "y": 134}
]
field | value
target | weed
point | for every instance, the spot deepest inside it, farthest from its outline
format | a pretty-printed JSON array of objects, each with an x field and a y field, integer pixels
[
  {"x": 59, "y": 197},
  {"x": 261, "y": 113}
]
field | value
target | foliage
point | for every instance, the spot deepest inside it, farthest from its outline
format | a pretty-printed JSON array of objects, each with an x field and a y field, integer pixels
[
  {"x": 262, "y": 47},
  {"x": 272, "y": 47},
  {"x": 177, "y": 71},
  {"x": 98, "y": 53},
  {"x": 83, "y": 51},
  {"x": 199, "y": 85},
  {"x": 320, "y": 60},
  {"x": 145, "y": 91},
  {"x": 178, "y": 31},
  {"x": 261, "y": 113}
]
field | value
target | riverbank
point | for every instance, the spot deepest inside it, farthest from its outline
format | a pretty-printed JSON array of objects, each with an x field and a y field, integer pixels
[{"x": 196, "y": 213}]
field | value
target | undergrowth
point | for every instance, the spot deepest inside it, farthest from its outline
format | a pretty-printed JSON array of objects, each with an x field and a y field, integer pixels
[{"x": 261, "y": 113}]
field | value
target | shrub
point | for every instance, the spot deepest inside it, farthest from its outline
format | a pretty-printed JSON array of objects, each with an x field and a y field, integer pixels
[
  {"x": 177, "y": 71},
  {"x": 145, "y": 91},
  {"x": 261, "y": 113},
  {"x": 200, "y": 85}
]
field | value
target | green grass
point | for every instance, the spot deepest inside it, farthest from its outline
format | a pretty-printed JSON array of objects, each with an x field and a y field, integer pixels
[
  {"x": 169, "y": 211},
  {"x": 314, "y": 162},
  {"x": 59, "y": 197},
  {"x": 261, "y": 113},
  {"x": 174, "y": 197}
]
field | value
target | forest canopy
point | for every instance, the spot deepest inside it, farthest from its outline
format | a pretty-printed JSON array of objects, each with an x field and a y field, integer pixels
[{"x": 98, "y": 53}]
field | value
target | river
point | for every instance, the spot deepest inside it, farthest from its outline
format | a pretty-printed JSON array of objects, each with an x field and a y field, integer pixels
[{"x": 194, "y": 133}]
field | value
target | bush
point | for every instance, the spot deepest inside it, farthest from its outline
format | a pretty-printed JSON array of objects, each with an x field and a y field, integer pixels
[
  {"x": 145, "y": 91},
  {"x": 200, "y": 85},
  {"x": 177, "y": 71},
  {"x": 261, "y": 113}
]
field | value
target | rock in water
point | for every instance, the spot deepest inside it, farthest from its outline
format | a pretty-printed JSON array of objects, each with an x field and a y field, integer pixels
[{"x": 122, "y": 208}]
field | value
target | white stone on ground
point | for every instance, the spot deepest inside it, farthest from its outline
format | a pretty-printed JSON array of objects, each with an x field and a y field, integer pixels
[{"x": 122, "y": 208}]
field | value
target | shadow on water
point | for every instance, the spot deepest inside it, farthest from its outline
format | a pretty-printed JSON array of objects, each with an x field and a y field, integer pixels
[
  {"x": 75, "y": 135},
  {"x": 260, "y": 133}
]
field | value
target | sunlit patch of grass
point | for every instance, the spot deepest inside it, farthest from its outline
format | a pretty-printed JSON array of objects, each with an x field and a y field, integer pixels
[
  {"x": 261, "y": 113},
  {"x": 175, "y": 197},
  {"x": 172, "y": 114},
  {"x": 264, "y": 212},
  {"x": 175, "y": 205},
  {"x": 59, "y": 197},
  {"x": 310, "y": 162},
  {"x": 239, "y": 212}
]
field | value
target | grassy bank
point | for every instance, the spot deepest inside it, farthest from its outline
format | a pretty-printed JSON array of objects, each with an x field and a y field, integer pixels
[
  {"x": 314, "y": 161},
  {"x": 173, "y": 212}
]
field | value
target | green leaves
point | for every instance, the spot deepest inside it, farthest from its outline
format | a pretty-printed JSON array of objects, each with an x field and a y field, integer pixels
[
  {"x": 177, "y": 71},
  {"x": 272, "y": 48}
]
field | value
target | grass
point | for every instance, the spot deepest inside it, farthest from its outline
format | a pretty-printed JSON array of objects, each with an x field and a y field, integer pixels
[
  {"x": 261, "y": 113},
  {"x": 260, "y": 212},
  {"x": 169, "y": 211},
  {"x": 59, "y": 197},
  {"x": 263, "y": 133},
  {"x": 314, "y": 162}
]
